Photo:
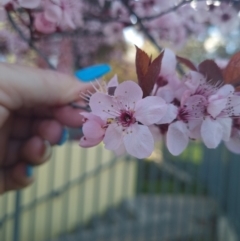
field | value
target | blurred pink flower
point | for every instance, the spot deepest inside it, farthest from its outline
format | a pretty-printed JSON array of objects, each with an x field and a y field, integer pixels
[
  {"x": 224, "y": 16},
  {"x": 190, "y": 116},
  {"x": 43, "y": 25},
  {"x": 66, "y": 14},
  {"x": 205, "y": 113}
]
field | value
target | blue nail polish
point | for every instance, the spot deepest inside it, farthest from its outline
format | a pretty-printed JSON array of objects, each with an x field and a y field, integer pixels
[
  {"x": 64, "y": 137},
  {"x": 29, "y": 171},
  {"x": 93, "y": 72}
]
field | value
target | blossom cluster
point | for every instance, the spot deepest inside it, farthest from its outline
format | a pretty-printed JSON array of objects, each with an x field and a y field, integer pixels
[
  {"x": 191, "y": 19},
  {"x": 96, "y": 24},
  {"x": 202, "y": 104}
]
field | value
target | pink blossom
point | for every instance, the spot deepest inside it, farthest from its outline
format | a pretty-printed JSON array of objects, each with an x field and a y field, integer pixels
[
  {"x": 169, "y": 29},
  {"x": 190, "y": 20},
  {"x": 190, "y": 116},
  {"x": 205, "y": 113},
  {"x": 66, "y": 14},
  {"x": 224, "y": 16},
  {"x": 213, "y": 131},
  {"x": 177, "y": 137},
  {"x": 221, "y": 107},
  {"x": 168, "y": 81},
  {"x": 128, "y": 117},
  {"x": 113, "y": 32},
  {"x": 145, "y": 7},
  {"x": 118, "y": 10},
  {"x": 43, "y": 25},
  {"x": 93, "y": 130}
]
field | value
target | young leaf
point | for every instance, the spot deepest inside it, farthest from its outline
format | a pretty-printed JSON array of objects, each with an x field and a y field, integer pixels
[
  {"x": 187, "y": 63},
  {"x": 142, "y": 63},
  {"x": 147, "y": 70},
  {"x": 211, "y": 71},
  {"x": 232, "y": 71},
  {"x": 152, "y": 75}
]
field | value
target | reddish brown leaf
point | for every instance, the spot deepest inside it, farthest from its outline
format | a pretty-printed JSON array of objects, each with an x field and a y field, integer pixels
[
  {"x": 211, "y": 71},
  {"x": 187, "y": 63},
  {"x": 152, "y": 75},
  {"x": 147, "y": 70},
  {"x": 232, "y": 71},
  {"x": 142, "y": 63}
]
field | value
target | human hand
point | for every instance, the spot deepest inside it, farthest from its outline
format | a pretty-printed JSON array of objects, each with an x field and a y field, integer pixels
[{"x": 33, "y": 112}]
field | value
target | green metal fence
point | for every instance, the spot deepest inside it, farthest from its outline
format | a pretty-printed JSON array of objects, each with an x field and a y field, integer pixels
[{"x": 93, "y": 195}]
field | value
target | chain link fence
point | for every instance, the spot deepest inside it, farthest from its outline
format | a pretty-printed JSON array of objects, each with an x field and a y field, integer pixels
[{"x": 93, "y": 195}]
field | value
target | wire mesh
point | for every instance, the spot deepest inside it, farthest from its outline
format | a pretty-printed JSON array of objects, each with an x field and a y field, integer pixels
[{"x": 92, "y": 195}]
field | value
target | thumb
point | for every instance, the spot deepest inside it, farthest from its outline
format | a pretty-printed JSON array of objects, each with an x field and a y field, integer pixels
[{"x": 26, "y": 87}]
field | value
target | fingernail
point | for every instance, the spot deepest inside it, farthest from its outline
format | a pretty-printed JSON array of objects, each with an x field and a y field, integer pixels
[
  {"x": 93, "y": 72},
  {"x": 47, "y": 150},
  {"x": 29, "y": 171},
  {"x": 64, "y": 137}
]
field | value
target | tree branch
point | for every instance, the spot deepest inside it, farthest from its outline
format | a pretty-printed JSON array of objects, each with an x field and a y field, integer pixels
[
  {"x": 146, "y": 32},
  {"x": 28, "y": 41}
]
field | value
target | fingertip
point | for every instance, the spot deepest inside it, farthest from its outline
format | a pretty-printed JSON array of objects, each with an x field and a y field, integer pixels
[
  {"x": 15, "y": 177},
  {"x": 68, "y": 116},
  {"x": 50, "y": 130},
  {"x": 36, "y": 151}
]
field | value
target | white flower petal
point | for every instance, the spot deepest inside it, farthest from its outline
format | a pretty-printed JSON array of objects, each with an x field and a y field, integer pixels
[
  {"x": 233, "y": 144},
  {"x": 113, "y": 137},
  {"x": 226, "y": 124},
  {"x": 215, "y": 107},
  {"x": 129, "y": 93},
  {"x": 169, "y": 62},
  {"x": 211, "y": 132},
  {"x": 93, "y": 129},
  {"x": 177, "y": 137},
  {"x": 53, "y": 13},
  {"x": 88, "y": 142},
  {"x": 102, "y": 105},
  {"x": 150, "y": 110},
  {"x": 225, "y": 90},
  {"x": 170, "y": 114},
  {"x": 121, "y": 150},
  {"x": 113, "y": 82},
  {"x": 166, "y": 93},
  {"x": 194, "y": 127},
  {"x": 193, "y": 79},
  {"x": 139, "y": 141},
  {"x": 235, "y": 104},
  {"x": 157, "y": 136}
]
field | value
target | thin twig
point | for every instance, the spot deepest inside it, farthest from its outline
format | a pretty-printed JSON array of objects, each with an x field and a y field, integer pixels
[
  {"x": 174, "y": 8},
  {"x": 146, "y": 32},
  {"x": 143, "y": 28},
  {"x": 28, "y": 41}
]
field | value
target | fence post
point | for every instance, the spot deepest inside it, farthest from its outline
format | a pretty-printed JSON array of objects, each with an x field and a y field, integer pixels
[{"x": 16, "y": 225}]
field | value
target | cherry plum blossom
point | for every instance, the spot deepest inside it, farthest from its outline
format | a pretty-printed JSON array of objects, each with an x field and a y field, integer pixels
[
  {"x": 128, "y": 117},
  {"x": 93, "y": 130}
]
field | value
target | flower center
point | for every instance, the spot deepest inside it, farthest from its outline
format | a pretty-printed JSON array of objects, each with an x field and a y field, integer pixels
[{"x": 126, "y": 118}]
